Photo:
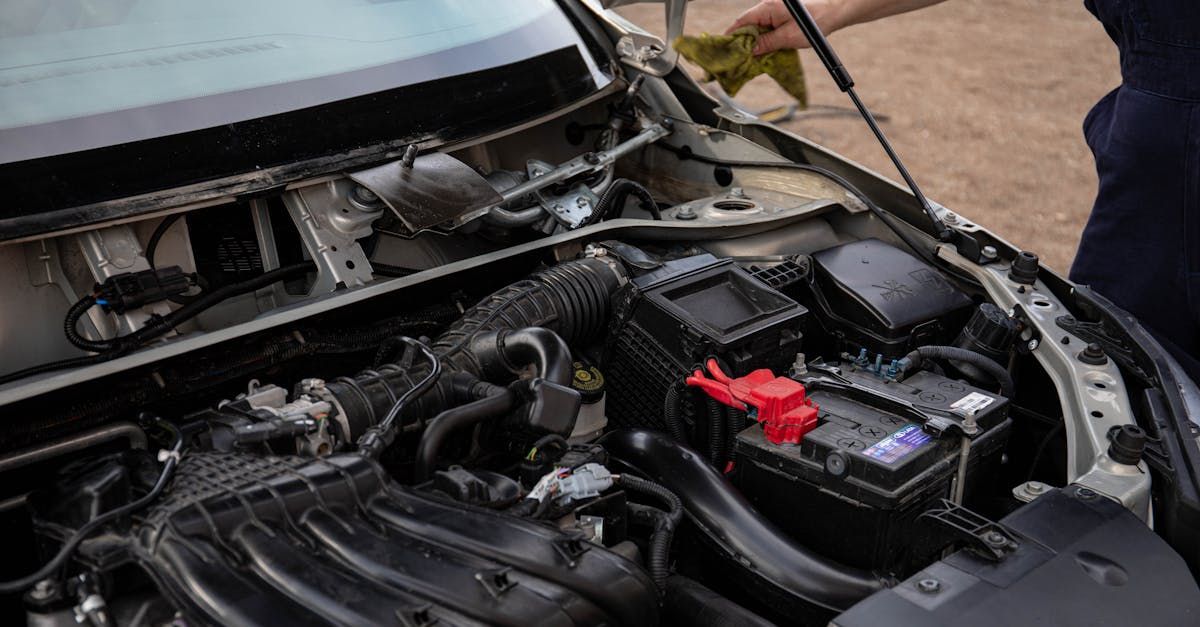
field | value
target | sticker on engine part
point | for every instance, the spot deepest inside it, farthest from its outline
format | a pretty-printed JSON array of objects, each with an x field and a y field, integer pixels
[
  {"x": 973, "y": 402},
  {"x": 899, "y": 444}
]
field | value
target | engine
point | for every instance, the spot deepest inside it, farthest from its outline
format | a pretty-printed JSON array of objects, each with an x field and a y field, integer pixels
[{"x": 614, "y": 439}]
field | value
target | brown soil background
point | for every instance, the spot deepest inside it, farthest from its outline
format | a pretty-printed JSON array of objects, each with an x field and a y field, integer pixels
[{"x": 984, "y": 100}]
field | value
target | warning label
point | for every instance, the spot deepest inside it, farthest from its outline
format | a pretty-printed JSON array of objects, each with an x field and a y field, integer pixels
[
  {"x": 973, "y": 402},
  {"x": 899, "y": 444}
]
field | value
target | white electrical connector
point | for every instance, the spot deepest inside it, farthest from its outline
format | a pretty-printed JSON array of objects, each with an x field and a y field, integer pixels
[{"x": 565, "y": 485}]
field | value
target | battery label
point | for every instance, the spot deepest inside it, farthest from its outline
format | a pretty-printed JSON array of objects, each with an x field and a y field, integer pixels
[
  {"x": 973, "y": 402},
  {"x": 899, "y": 444}
]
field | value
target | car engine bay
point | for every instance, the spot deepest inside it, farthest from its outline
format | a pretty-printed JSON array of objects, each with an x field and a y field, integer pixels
[{"x": 617, "y": 367}]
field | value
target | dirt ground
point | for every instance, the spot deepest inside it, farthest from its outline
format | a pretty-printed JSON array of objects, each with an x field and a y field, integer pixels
[{"x": 984, "y": 100}]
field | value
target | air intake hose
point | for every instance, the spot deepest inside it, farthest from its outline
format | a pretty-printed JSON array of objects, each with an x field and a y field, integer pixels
[
  {"x": 530, "y": 322},
  {"x": 740, "y": 534}
]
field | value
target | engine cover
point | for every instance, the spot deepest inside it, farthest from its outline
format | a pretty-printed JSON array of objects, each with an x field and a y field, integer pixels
[{"x": 254, "y": 540}]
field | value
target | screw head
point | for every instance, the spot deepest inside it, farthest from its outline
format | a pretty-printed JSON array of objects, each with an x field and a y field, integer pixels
[
  {"x": 951, "y": 217},
  {"x": 685, "y": 214},
  {"x": 990, "y": 252},
  {"x": 1035, "y": 487},
  {"x": 1033, "y": 344},
  {"x": 994, "y": 538},
  {"x": 929, "y": 585},
  {"x": 737, "y": 192},
  {"x": 581, "y": 202},
  {"x": 1086, "y": 494}
]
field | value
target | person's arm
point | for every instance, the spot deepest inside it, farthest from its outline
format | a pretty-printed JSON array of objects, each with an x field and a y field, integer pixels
[{"x": 830, "y": 15}]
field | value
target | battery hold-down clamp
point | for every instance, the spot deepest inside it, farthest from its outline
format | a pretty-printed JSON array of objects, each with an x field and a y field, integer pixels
[{"x": 780, "y": 404}]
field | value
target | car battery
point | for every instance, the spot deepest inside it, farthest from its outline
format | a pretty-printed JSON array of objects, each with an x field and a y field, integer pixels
[{"x": 861, "y": 478}]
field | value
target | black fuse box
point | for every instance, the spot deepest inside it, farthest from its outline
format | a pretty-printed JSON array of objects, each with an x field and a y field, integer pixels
[
  {"x": 860, "y": 479},
  {"x": 668, "y": 320},
  {"x": 870, "y": 294}
]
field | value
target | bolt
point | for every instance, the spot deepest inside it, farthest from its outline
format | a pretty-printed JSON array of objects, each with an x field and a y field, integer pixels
[
  {"x": 951, "y": 218},
  {"x": 990, "y": 253},
  {"x": 995, "y": 538},
  {"x": 929, "y": 585},
  {"x": 43, "y": 590},
  {"x": 591, "y": 158},
  {"x": 1035, "y": 487},
  {"x": 1086, "y": 494},
  {"x": 558, "y": 208},
  {"x": 685, "y": 213},
  {"x": 410, "y": 157},
  {"x": 737, "y": 192},
  {"x": 1033, "y": 344},
  {"x": 581, "y": 202}
]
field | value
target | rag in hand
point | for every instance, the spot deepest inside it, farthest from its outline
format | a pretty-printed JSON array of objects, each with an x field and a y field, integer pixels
[{"x": 729, "y": 60}]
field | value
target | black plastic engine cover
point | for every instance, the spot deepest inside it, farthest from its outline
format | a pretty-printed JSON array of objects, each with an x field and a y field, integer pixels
[
  {"x": 881, "y": 298},
  {"x": 1081, "y": 559},
  {"x": 253, "y": 540}
]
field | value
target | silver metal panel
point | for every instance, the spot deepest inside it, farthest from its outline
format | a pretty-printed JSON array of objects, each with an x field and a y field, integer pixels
[
  {"x": 1093, "y": 397},
  {"x": 330, "y": 224},
  {"x": 437, "y": 188}
]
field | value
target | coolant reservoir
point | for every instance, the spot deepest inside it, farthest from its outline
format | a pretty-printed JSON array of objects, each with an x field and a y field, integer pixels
[{"x": 589, "y": 382}]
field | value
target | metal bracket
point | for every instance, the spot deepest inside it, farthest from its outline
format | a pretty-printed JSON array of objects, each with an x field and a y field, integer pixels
[
  {"x": 1113, "y": 347},
  {"x": 330, "y": 226},
  {"x": 571, "y": 207},
  {"x": 646, "y": 52},
  {"x": 1093, "y": 397}
]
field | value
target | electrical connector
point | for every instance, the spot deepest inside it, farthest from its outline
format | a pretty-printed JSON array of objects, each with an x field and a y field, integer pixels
[{"x": 132, "y": 290}]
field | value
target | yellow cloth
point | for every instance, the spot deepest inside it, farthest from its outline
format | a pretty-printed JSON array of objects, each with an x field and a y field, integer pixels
[{"x": 729, "y": 60}]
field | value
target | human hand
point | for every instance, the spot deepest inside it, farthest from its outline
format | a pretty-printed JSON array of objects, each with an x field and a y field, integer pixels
[{"x": 781, "y": 31}]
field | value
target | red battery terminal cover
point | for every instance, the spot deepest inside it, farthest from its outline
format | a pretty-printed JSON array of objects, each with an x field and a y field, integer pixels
[{"x": 780, "y": 404}]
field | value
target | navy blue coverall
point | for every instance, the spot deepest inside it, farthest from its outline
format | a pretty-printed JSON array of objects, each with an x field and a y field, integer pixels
[{"x": 1141, "y": 246}]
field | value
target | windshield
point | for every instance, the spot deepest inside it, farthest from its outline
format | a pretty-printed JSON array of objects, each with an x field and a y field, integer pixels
[{"x": 82, "y": 74}]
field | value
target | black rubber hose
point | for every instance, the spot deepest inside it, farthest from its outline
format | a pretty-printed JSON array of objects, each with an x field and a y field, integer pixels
[
  {"x": 672, "y": 413},
  {"x": 93, "y": 525},
  {"x": 688, "y": 602},
  {"x": 617, "y": 194},
  {"x": 716, "y": 432},
  {"x": 764, "y": 555},
  {"x": 71, "y": 327},
  {"x": 658, "y": 561},
  {"x": 505, "y": 353},
  {"x": 572, "y": 299},
  {"x": 984, "y": 363},
  {"x": 501, "y": 401},
  {"x": 380, "y": 436}
]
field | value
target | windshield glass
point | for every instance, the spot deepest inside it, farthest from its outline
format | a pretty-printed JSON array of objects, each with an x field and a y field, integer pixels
[{"x": 81, "y": 74}]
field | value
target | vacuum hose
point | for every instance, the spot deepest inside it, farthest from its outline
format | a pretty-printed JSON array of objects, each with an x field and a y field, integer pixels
[{"x": 740, "y": 533}]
